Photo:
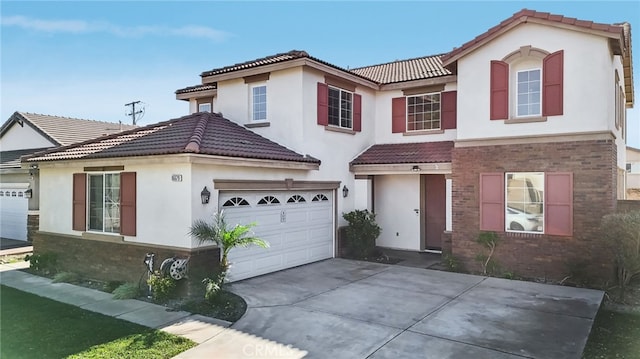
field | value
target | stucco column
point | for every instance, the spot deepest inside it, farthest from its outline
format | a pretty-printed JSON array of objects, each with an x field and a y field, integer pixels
[{"x": 449, "y": 202}]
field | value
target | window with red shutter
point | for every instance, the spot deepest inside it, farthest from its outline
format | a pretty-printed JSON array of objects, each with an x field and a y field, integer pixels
[
  {"x": 492, "y": 202},
  {"x": 323, "y": 104},
  {"x": 552, "y": 84},
  {"x": 449, "y": 109},
  {"x": 398, "y": 115},
  {"x": 128, "y": 203},
  {"x": 499, "y": 93},
  {"x": 559, "y": 203},
  {"x": 79, "y": 210},
  {"x": 357, "y": 112}
]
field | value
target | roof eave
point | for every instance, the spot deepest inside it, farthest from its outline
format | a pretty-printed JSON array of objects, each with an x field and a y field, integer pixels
[
  {"x": 186, "y": 96},
  {"x": 445, "y": 79},
  {"x": 401, "y": 168}
]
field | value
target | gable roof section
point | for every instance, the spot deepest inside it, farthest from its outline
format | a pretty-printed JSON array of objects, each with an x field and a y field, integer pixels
[
  {"x": 197, "y": 88},
  {"x": 404, "y": 70},
  {"x": 63, "y": 130},
  {"x": 424, "y": 152},
  {"x": 201, "y": 133}
]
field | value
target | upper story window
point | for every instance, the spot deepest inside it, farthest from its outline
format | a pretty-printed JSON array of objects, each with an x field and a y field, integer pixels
[
  {"x": 259, "y": 103},
  {"x": 528, "y": 93},
  {"x": 527, "y": 83},
  {"x": 340, "y": 108},
  {"x": 104, "y": 202},
  {"x": 204, "y": 107},
  {"x": 423, "y": 112}
]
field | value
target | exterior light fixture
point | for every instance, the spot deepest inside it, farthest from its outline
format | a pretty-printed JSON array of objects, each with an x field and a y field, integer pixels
[
  {"x": 28, "y": 193},
  {"x": 205, "y": 195},
  {"x": 345, "y": 191},
  {"x": 415, "y": 169}
]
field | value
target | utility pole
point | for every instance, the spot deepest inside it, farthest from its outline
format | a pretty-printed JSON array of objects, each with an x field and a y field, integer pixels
[{"x": 133, "y": 112}]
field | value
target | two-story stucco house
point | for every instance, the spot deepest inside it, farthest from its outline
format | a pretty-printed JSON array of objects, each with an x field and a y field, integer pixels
[{"x": 519, "y": 131}]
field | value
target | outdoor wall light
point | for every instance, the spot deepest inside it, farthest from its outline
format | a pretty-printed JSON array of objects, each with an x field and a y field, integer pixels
[
  {"x": 345, "y": 191},
  {"x": 205, "y": 195},
  {"x": 415, "y": 169}
]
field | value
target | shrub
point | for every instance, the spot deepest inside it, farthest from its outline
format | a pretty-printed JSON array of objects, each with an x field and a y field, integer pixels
[
  {"x": 488, "y": 240},
  {"x": 162, "y": 287},
  {"x": 213, "y": 286},
  {"x": 66, "y": 277},
  {"x": 126, "y": 291},
  {"x": 111, "y": 286},
  {"x": 361, "y": 234},
  {"x": 621, "y": 232},
  {"x": 451, "y": 263},
  {"x": 43, "y": 263}
]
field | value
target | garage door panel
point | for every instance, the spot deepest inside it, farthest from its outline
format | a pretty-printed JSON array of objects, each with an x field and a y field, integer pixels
[
  {"x": 303, "y": 233},
  {"x": 14, "y": 207}
]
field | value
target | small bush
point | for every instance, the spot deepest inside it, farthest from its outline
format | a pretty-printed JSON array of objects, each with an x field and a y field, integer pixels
[
  {"x": 361, "y": 234},
  {"x": 621, "y": 232},
  {"x": 213, "y": 286},
  {"x": 110, "y": 286},
  {"x": 43, "y": 263},
  {"x": 451, "y": 263},
  {"x": 162, "y": 287},
  {"x": 126, "y": 291},
  {"x": 488, "y": 240},
  {"x": 66, "y": 277}
]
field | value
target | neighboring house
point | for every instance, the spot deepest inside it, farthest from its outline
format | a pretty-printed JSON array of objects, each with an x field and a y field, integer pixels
[
  {"x": 633, "y": 172},
  {"x": 497, "y": 135},
  {"x": 24, "y": 134}
]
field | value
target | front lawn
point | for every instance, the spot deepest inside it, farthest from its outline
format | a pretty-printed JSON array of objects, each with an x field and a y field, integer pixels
[
  {"x": 37, "y": 327},
  {"x": 614, "y": 335}
]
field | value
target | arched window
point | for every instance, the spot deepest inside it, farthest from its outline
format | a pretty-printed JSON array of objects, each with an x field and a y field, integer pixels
[
  {"x": 235, "y": 202},
  {"x": 296, "y": 198},
  {"x": 267, "y": 200},
  {"x": 319, "y": 197}
]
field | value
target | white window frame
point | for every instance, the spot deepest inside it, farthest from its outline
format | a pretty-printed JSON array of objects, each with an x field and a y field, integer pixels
[
  {"x": 525, "y": 216},
  {"x": 207, "y": 105},
  {"x": 252, "y": 102},
  {"x": 340, "y": 109},
  {"x": 439, "y": 111},
  {"x": 517, "y": 98},
  {"x": 104, "y": 202}
]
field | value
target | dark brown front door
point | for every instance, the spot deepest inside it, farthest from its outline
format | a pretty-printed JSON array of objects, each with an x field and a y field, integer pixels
[{"x": 435, "y": 187}]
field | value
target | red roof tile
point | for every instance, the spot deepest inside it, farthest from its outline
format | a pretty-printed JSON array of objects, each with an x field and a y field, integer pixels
[
  {"x": 404, "y": 70},
  {"x": 197, "y": 88},
  {"x": 423, "y": 152},
  {"x": 202, "y": 133},
  {"x": 521, "y": 17}
]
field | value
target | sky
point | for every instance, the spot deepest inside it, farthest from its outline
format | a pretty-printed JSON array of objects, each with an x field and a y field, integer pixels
[{"x": 88, "y": 59}]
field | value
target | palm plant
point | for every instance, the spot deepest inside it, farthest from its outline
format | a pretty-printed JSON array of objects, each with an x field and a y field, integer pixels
[{"x": 226, "y": 238}]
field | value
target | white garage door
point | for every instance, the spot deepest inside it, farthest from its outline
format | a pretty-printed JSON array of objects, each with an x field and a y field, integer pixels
[
  {"x": 298, "y": 226},
  {"x": 14, "y": 207}
]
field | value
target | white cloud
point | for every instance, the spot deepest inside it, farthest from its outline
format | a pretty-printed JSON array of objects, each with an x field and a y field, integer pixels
[{"x": 81, "y": 27}]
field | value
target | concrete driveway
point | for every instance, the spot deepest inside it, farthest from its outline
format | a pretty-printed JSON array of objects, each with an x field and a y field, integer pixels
[{"x": 350, "y": 309}]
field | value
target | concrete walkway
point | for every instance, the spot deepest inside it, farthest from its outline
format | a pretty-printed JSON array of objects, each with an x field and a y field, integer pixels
[{"x": 350, "y": 309}]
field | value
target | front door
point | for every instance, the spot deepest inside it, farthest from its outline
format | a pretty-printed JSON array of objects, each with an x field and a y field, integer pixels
[{"x": 435, "y": 189}]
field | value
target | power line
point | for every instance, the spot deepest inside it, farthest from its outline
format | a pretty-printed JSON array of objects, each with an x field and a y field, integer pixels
[{"x": 135, "y": 112}]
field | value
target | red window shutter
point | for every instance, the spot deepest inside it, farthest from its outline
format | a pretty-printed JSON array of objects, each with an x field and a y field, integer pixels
[
  {"x": 448, "y": 107},
  {"x": 399, "y": 115},
  {"x": 357, "y": 112},
  {"x": 128, "y": 203},
  {"x": 558, "y": 203},
  {"x": 552, "y": 84},
  {"x": 323, "y": 104},
  {"x": 492, "y": 202},
  {"x": 79, "y": 211},
  {"x": 499, "y": 102}
]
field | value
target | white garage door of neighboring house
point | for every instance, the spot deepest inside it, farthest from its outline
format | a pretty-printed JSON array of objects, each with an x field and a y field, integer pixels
[
  {"x": 298, "y": 226},
  {"x": 14, "y": 207}
]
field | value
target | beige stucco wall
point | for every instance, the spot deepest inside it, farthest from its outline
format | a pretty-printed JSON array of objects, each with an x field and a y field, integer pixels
[{"x": 22, "y": 137}]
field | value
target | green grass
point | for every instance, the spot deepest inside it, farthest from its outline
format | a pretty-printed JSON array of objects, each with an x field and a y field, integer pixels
[
  {"x": 37, "y": 327},
  {"x": 614, "y": 335}
]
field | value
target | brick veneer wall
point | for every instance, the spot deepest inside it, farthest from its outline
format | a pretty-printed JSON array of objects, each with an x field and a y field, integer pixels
[
  {"x": 123, "y": 261},
  {"x": 593, "y": 164},
  {"x": 33, "y": 223}
]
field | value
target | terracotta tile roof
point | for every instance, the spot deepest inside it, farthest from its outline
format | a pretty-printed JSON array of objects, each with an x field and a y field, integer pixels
[
  {"x": 64, "y": 130},
  {"x": 524, "y": 16},
  {"x": 423, "y": 152},
  {"x": 197, "y": 88},
  {"x": 11, "y": 159},
  {"x": 404, "y": 70},
  {"x": 202, "y": 133}
]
